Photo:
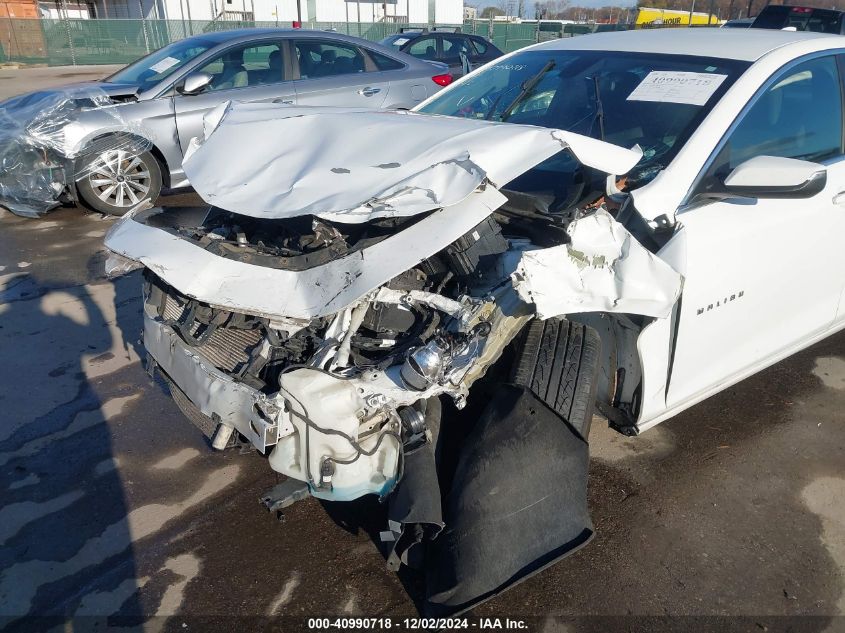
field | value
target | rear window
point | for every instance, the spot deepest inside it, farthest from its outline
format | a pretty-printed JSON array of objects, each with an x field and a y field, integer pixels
[
  {"x": 383, "y": 62},
  {"x": 326, "y": 59}
]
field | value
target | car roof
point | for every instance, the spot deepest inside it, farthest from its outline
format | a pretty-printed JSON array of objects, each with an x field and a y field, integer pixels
[
  {"x": 746, "y": 44},
  {"x": 220, "y": 37},
  {"x": 417, "y": 33},
  {"x": 233, "y": 34}
]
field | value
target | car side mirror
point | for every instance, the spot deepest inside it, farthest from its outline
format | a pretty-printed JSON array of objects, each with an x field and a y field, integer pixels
[
  {"x": 772, "y": 177},
  {"x": 194, "y": 83}
]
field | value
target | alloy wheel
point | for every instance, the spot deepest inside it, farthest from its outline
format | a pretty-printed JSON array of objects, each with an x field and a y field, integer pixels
[{"x": 120, "y": 178}]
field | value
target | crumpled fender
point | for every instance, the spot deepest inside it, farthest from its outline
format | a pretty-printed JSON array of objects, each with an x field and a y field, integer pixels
[{"x": 603, "y": 268}]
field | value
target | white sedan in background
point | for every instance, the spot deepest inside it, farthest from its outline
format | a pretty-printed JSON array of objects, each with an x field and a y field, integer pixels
[{"x": 626, "y": 221}]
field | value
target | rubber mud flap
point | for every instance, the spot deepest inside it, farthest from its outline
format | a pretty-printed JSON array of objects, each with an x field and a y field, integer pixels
[
  {"x": 414, "y": 509},
  {"x": 518, "y": 503}
]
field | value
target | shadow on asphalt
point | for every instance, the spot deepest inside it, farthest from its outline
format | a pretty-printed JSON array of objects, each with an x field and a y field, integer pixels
[{"x": 59, "y": 459}]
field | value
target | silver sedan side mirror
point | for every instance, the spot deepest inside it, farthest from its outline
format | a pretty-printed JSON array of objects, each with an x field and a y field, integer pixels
[{"x": 195, "y": 83}]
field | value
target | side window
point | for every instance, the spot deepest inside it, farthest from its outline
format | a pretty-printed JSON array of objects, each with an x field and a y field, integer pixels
[
  {"x": 383, "y": 62},
  {"x": 480, "y": 46},
  {"x": 327, "y": 59},
  {"x": 452, "y": 48},
  {"x": 424, "y": 48},
  {"x": 799, "y": 116},
  {"x": 245, "y": 66}
]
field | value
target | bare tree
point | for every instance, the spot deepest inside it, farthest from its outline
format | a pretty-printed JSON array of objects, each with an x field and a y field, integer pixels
[
  {"x": 490, "y": 12},
  {"x": 551, "y": 9}
]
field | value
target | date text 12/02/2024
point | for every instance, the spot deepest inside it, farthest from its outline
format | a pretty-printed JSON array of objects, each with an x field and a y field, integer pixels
[{"x": 411, "y": 624}]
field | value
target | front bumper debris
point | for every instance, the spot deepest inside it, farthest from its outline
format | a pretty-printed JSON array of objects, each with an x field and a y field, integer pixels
[{"x": 338, "y": 305}]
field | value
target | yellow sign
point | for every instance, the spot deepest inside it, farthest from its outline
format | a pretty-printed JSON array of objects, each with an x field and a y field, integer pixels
[{"x": 653, "y": 18}]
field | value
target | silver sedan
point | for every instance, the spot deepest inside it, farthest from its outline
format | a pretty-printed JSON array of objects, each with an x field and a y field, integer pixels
[{"x": 160, "y": 101}]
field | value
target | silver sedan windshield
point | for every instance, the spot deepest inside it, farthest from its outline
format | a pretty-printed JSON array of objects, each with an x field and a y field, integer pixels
[{"x": 148, "y": 71}]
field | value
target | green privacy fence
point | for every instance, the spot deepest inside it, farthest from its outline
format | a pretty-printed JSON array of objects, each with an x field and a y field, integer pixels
[
  {"x": 80, "y": 41},
  {"x": 74, "y": 42}
]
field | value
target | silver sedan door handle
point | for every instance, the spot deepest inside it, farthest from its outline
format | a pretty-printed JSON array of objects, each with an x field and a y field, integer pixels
[
  {"x": 839, "y": 198},
  {"x": 369, "y": 92}
]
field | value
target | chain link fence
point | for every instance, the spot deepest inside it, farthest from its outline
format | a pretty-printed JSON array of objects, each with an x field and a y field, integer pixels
[{"x": 81, "y": 41}]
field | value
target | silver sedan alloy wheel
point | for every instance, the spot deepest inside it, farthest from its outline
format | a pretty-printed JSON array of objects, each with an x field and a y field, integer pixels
[{"x": 119, "y": 178}]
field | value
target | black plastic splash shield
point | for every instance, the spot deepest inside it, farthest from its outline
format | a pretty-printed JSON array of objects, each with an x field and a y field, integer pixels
[{"x": 518, "y": 503}]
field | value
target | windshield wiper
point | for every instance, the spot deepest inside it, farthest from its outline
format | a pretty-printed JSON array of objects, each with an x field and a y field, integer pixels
[
  {"x": 527, "y": 87},
  {"x": 599, "y": 108}
]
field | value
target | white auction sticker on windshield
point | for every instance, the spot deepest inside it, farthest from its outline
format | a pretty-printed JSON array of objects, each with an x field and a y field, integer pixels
[
  {"x": 401, "y": 41},
  {"x": 677, "y": 87},
  {"x": 164, "y": 64}
]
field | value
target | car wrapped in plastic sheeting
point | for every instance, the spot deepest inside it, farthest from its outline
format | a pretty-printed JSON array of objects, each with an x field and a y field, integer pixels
[{"x": 44, "y": 150}]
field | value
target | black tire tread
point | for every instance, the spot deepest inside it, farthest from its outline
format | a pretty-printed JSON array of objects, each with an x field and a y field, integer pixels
[{"x": 558, "y": 360}]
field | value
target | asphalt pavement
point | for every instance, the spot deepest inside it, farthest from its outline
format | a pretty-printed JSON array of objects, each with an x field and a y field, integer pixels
[{"x": 114, "y": 511}]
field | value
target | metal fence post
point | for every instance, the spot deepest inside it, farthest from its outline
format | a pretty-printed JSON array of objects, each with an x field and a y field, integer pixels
[
  {"x": 144, "y": 26},
  {"x": 69, "y": 34},
  {"x": 13, "y": 35}
]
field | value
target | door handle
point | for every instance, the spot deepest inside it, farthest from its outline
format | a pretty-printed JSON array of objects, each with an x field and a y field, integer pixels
[
  {"x": 283, "y": 100},
  {"x": 839, "y": 198},
  {"x": 369, "y": 92}
]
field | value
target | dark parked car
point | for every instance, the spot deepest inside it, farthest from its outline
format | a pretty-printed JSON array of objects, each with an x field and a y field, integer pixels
[
  {"x": 781, "y": 16},
  {"x": 454, "y": 49},
  {"x": 739, "y": 23}
]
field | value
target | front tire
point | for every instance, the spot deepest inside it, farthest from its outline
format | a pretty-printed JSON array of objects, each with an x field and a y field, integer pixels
[
  {"x": 116, "y": 180},
  {"x": 558, "y": 360}
]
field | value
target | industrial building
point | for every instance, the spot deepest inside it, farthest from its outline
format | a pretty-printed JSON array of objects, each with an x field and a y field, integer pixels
[{"x": 282, "y": 11}]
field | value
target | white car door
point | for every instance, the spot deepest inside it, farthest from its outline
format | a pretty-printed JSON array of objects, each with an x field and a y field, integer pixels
[{"x": 763, "y": 276}]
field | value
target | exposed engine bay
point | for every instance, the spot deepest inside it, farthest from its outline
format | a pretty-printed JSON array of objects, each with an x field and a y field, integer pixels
[
  {"x": 433, "y": 329},
  {"x": 333, "y": 341}
]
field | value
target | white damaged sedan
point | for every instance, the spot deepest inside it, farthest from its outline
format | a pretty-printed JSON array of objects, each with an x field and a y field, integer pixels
[{"x": 429, "y": 306}]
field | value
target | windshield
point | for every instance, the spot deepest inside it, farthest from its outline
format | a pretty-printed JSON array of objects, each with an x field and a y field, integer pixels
[
  {"x": 148, "y": 71},
  {"x": 653, "y": 100},
  {"x": 398, "y": 41}
]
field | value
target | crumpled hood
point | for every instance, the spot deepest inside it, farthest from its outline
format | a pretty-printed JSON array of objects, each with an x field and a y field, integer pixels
[
  {"x": 83, "y": 94},
  {"x": 354, "y": 165}
]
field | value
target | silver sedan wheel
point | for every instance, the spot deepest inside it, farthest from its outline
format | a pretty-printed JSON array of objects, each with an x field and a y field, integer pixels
[{"x": 119, "y": 178}]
